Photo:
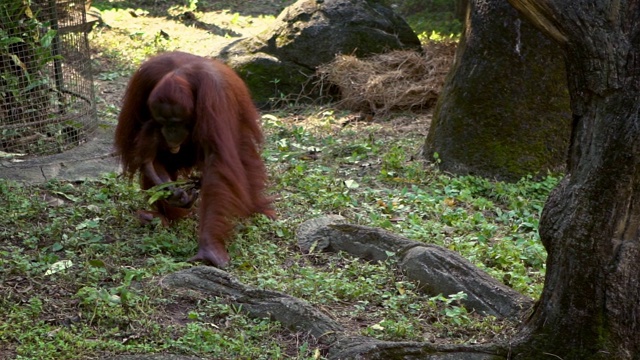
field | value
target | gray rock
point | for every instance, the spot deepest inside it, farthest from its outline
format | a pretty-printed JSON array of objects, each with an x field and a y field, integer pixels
[
  {"x": 442, "y": 271},
  {"x": 310, "y": 33},
  {"x": 436, "y": 269}
]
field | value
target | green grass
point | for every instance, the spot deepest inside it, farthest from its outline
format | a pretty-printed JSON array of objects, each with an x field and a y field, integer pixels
[
  {"x": 431, "y": 19},
  {"x": 79, "y": 276}
]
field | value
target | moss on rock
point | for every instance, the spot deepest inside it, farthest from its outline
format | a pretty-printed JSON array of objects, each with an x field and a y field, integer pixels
[
  {"x": 269, "y": 78},
  {"x": 311, "y": 33}
]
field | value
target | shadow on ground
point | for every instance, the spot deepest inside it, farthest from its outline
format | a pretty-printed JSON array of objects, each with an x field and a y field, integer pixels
[{"x": 87, "y": 161}]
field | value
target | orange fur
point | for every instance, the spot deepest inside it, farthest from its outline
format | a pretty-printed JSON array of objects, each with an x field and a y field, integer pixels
[{"x": 223, "y": 144}]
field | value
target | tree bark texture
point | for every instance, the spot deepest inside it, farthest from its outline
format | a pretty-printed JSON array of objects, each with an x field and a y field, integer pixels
[
  {"x": 292, "y": 313},
  {"x": 590, "y": 305},
  {"x": 437, "y": 270},
  {"x": 504, "y": 109},
  {"x": 299, "y": 316}
]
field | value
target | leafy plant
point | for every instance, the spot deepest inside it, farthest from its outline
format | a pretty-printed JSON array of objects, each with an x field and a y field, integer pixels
[
  {"x": 25, "y": 47},
  {"x": 26, "y": 50}
]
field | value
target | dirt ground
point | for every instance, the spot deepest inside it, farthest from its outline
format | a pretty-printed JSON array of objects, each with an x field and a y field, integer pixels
[
  {"x": 202, "y": 30},
  {"x": 212, "y": 24}
]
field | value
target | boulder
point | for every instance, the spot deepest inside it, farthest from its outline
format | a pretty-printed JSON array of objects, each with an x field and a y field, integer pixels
[{"x": 281, "y": 60}]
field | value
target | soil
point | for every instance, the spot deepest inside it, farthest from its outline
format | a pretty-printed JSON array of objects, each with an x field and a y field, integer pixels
[{"x": 202, "y": 30}]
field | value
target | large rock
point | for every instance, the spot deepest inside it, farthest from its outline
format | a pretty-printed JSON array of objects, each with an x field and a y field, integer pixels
[{"x": 310, "y": 33}]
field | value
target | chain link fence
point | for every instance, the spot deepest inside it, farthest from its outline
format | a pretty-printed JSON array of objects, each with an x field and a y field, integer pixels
[{"x": 46, "y": 88}]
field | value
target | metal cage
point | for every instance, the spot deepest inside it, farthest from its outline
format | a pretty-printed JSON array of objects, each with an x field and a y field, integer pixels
[{"x": 46, "y": 88}]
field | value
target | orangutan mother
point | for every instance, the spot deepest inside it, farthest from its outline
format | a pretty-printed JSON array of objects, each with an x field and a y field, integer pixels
[{"x": 183, "y": 113}]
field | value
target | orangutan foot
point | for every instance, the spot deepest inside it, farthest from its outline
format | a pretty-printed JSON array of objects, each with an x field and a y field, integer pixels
[{"x": 215, "y": 255}]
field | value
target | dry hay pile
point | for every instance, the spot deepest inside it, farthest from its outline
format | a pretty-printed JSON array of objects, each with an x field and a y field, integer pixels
[{"x": 391, "y": 81}]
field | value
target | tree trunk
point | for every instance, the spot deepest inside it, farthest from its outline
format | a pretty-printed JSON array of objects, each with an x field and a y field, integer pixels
[
  {"x": 590, "y": 305},
  {"x": 504, "y": 109},
  {"x": 461, "y": 10}
]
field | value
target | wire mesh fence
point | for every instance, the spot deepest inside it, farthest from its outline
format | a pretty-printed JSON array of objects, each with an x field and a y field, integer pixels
[{"x": 46, "y": 89}]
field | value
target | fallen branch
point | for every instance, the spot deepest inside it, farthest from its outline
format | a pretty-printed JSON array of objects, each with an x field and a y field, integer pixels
[{"x": 299, "y": 316}]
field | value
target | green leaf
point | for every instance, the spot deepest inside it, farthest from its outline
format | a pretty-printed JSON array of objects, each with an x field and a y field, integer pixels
[
  {"x": 17, "y": 61},
  {"x": 351, "y": 184},
  {"x": 97, "y": 263},
  {"x": 4, "y": 42},
  {"x": 159, "y": 195},
  {"x": 47, "y": 39},
  {"x": 59, "y": 266}
]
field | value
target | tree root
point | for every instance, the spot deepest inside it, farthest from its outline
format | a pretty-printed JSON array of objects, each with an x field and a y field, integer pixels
[{"x": 438, "y": 270}]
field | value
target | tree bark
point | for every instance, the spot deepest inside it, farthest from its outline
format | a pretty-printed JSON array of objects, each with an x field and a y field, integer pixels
[
  {"x": 292, "y": 313},
  {"x": 590, "y": 224},
  {"x": 504, "y": 108},
  {"x": 437, "y": 270},
  {"x": 299, "y": 316},
  {"x": 461, "y": 10}
]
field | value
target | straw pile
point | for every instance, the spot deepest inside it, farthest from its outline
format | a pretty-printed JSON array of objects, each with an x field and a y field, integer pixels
[{"x": 397, "y": 80}]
